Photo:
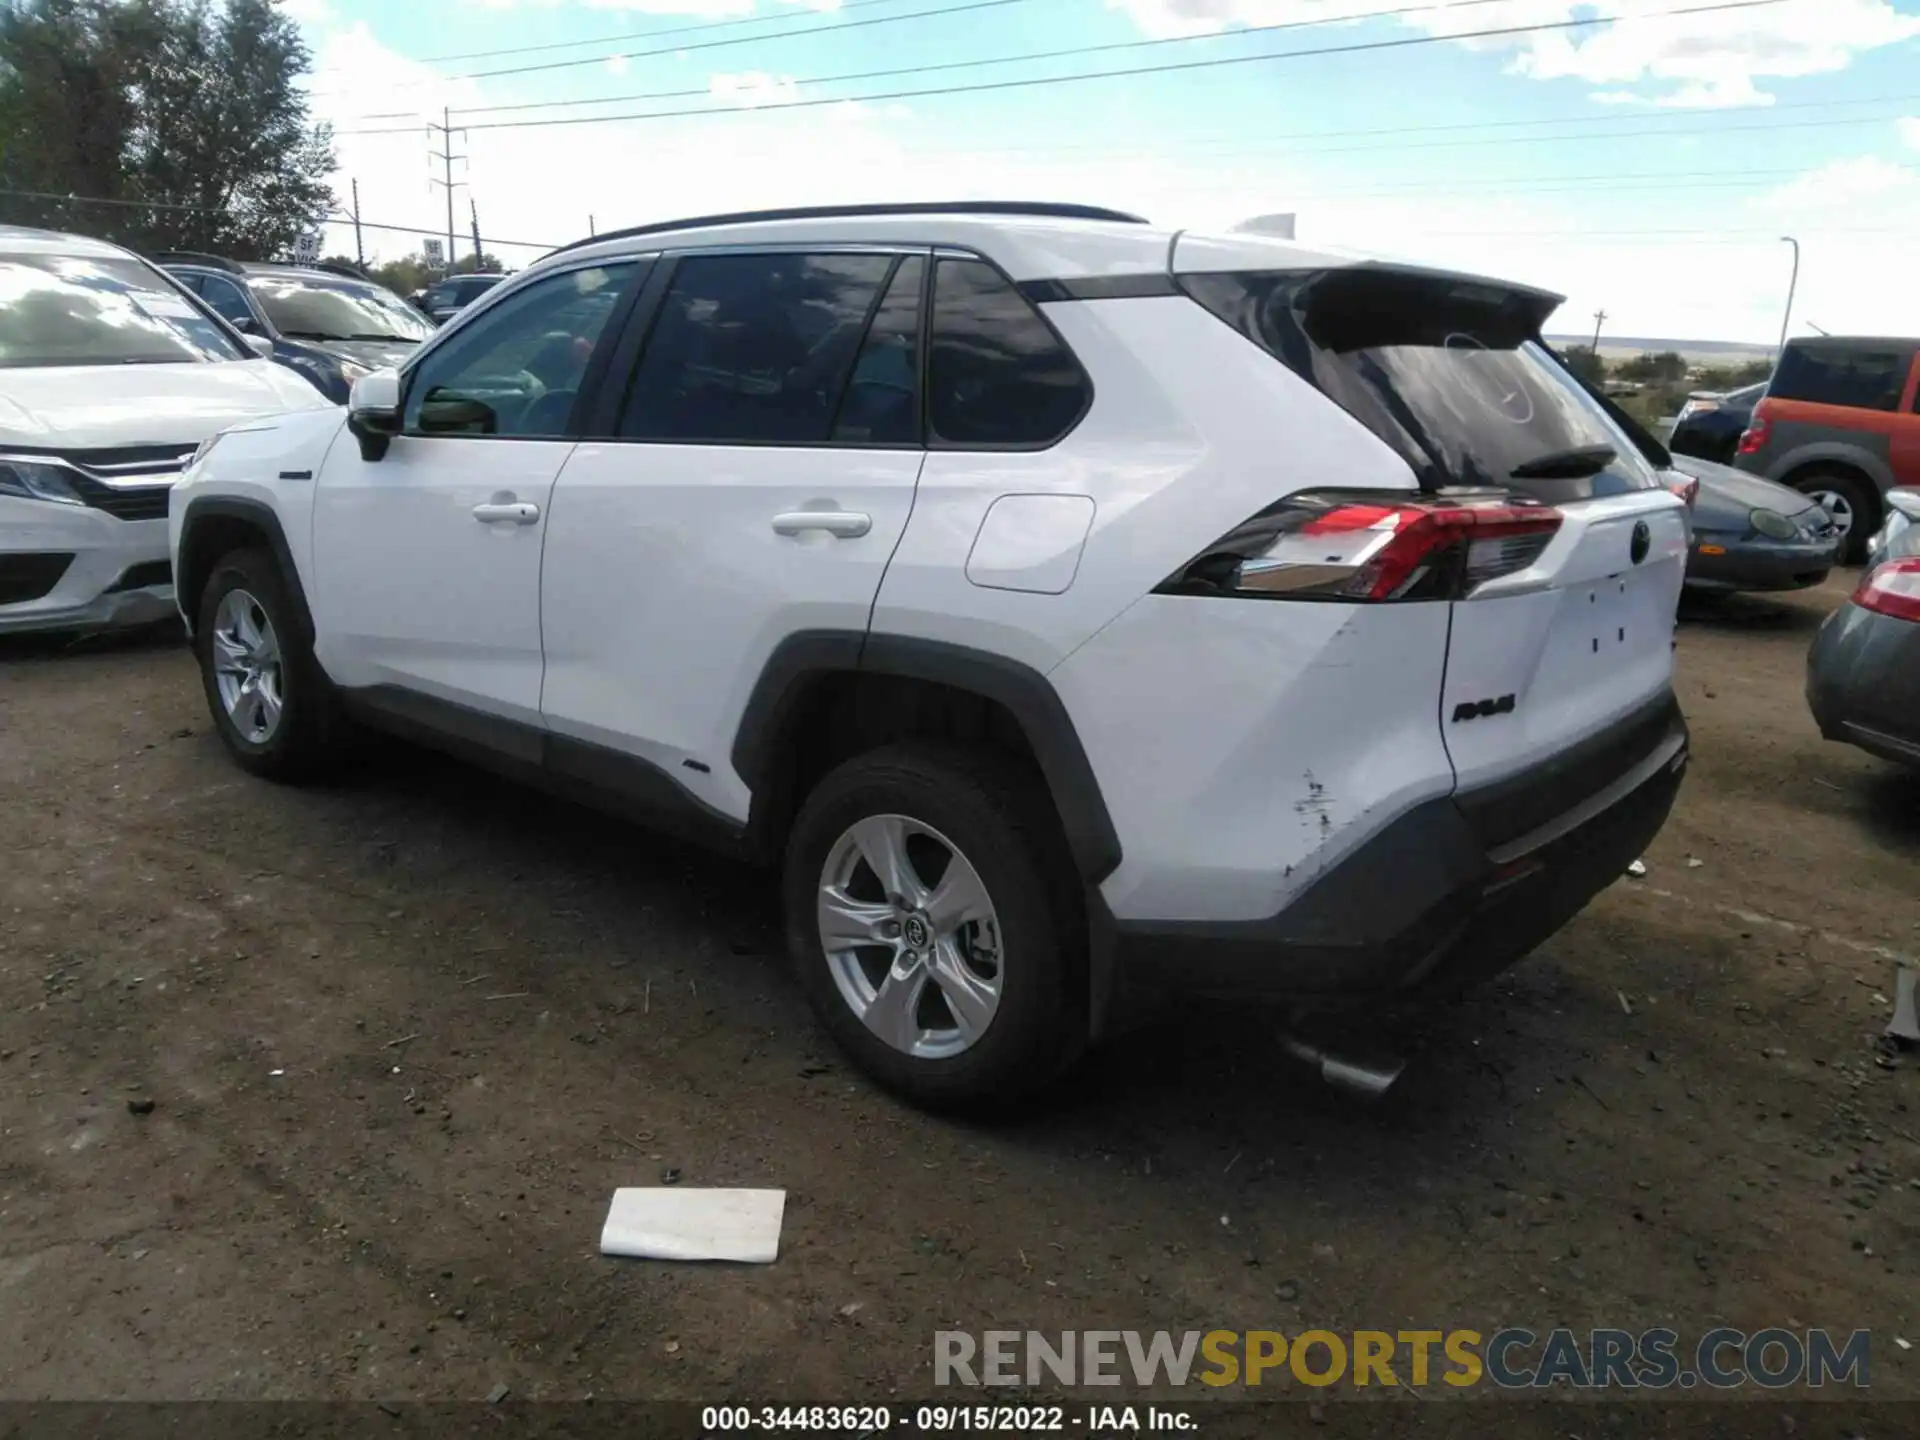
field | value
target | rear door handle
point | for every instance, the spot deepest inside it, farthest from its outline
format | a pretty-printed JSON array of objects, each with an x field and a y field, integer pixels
[
  {"x": 515, "y": 512},
  {"x": 847, "y": 524}
]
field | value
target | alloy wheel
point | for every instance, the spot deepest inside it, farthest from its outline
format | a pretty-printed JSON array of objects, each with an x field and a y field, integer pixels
[
  {"x": 246, "y": 666},
  {"x": 911, "y": 937}
]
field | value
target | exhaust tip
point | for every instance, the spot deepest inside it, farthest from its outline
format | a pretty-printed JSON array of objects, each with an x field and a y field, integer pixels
[{"x": 1366, "y": 1079}]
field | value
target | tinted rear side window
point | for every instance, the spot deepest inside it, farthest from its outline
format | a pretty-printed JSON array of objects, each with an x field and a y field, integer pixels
[
  {"x": 997, "y": 374},
  {"x": 1863, "y": 378},
  {"x": 881, "y": 404},
  {"x": 753, "y": 349},
  {"x": 1447, "y": 371}
]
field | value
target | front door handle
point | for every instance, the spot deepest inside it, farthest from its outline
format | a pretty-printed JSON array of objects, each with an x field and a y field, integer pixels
[
  {"x": 847, "y": 524},
  {"x": 514, "y": 512}
]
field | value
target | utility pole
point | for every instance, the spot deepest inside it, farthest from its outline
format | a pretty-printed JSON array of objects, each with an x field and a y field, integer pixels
[
  {"x": 473, "y": 212},
  {"x": 446, "y": 157},
  {"x": 1599, "y": 319},
  {"x": 590, "y": 230},
  {"x": 1792, "y": 284},
  {"x": 359, "y": 252}
]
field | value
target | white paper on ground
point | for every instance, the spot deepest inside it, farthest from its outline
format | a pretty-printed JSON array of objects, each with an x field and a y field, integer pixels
[{"x": 682, "y": 1223}]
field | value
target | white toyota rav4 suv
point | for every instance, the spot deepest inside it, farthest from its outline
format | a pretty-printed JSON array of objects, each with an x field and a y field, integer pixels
[
  {"x": 1077, "y": 611},
  {"x": 110, "y": 375}
]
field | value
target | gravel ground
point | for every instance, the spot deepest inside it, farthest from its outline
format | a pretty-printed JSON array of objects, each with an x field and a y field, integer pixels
[{"x": 321, "y": 1094}]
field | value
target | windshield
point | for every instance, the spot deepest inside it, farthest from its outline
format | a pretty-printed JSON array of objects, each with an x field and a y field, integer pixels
[
  {"x": 322, "y": 310},
  {"x": 100, "y": 310},
  {"x": 1447, "y": 371}
]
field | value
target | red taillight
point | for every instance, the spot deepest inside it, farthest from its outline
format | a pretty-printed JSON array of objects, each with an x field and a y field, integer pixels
[
  {"x": 1330, "y": 546},
  {"x": 1892, "y": 589},
  {"x": 1754, "y": 436}
]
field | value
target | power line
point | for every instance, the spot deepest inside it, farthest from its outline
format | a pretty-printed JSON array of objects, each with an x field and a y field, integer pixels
[
  {"x": 861, "y": 24},
  {"x": 1073, "y": 50},
  {"x": 1359, "y": 47},
  {"x": 703, "y": 28},
  {"x": 344, "y": 220}
]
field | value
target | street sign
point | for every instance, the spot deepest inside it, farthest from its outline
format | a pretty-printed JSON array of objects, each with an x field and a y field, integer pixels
[
  {"x": 434, "y": 250},
  {"x": 306, "y": 247}
]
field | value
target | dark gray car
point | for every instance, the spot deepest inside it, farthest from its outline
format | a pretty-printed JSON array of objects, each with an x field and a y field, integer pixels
[
  {"x": 1863, "y": 673},
  {"x": 1751, "y": 534}
]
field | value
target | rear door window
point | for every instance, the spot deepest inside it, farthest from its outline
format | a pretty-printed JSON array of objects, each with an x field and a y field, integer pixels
[
  {"x": 998, "y": 376},
  {"x": 1448, "y": 371},
  {"x": 881, "y": 404},
  {"x": 227, "y": 298},
  {"x": 1858, "y": 377},
  {"x": 754, "y": 349}
]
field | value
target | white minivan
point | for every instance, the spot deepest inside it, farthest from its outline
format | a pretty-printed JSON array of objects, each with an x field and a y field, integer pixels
[{"x": 111, "y": 376}]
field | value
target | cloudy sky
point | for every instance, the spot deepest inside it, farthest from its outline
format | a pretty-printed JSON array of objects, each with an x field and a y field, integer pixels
[{"x": 1647, "y": 166}]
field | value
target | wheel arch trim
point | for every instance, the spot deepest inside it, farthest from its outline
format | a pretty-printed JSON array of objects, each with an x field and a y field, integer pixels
[
  {"x": 262, "y": 517},
  {"x": 806, "y": 657}
]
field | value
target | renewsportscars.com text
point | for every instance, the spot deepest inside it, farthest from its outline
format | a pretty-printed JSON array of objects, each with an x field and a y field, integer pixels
[{"x": 1510, "y": 1359}]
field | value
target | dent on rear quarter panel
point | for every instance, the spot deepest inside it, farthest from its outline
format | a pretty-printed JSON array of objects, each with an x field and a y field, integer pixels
[{"x": 1246, "y": 745}]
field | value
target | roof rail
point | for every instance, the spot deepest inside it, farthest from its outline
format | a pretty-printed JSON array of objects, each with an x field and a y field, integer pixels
[
  {"x": 195, "y": 257},
  {"x": 828, "y": 212}
]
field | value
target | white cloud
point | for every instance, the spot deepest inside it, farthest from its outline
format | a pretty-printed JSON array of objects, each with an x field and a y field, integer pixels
[
  {"x": 1827, "y": 190},
  {"x": 617, "y": 64},
  {"x": 1910, "y": 132},
  {"x": 1692, "y": 61}
]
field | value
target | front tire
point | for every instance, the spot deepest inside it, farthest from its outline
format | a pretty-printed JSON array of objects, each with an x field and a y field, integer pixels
[
  {"x": 274, "y": 708},
  {"x": 929, "y": 917}
]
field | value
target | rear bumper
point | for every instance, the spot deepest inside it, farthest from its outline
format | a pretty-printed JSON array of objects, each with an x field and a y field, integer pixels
[
  {"x": 1455, "y": 890},
  {"x": 1863, "y": 683}
]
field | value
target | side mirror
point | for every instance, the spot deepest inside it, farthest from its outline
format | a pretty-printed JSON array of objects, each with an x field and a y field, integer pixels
[
  {"x": 457, "y": 415},
  {"x": 373, "y": 412},
  {"x": 259, "y": 344}
]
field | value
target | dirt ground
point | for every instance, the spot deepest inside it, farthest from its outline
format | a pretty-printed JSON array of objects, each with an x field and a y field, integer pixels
[{"x": 403, "y": 1036}]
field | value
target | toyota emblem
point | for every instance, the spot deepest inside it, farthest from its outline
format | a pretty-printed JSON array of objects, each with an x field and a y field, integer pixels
[{"x": 1641, "y": 543}]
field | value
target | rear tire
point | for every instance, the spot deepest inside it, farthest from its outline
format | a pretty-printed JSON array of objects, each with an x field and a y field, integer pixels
[
  {"x": 1858, "y": 505},
  {"x": 275, "y": 710},
  {"x": 949, "y": 1012}
]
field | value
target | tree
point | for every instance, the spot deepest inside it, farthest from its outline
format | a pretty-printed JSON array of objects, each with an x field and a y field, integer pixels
[
  {"x": 1668, "y": 367},
  {"x": 187, "y": 113},
  {"x": 1582, "y": 361}
]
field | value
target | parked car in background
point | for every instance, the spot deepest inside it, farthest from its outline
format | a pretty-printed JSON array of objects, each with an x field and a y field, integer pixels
[
  {"x": 111, "y": 374},
  {"x": 1751, "y": 534},
  {"x": 1895, "y": 536},
  {"x": 1711, "y": 422},
  {"x": 1841, "y": 422},
  {"x": 1054, "y": 685},
  {"x": 328, "y": 323},
  {"x": 441, "y": 301},
  {"x": 1863, "y": 672}
]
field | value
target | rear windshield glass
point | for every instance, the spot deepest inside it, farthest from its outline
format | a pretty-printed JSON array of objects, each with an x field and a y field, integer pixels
[
  {"x": 1448, "y": 372},
  {"x": 1865, "y": 377},
  {"x": 99, "y": 310}
]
